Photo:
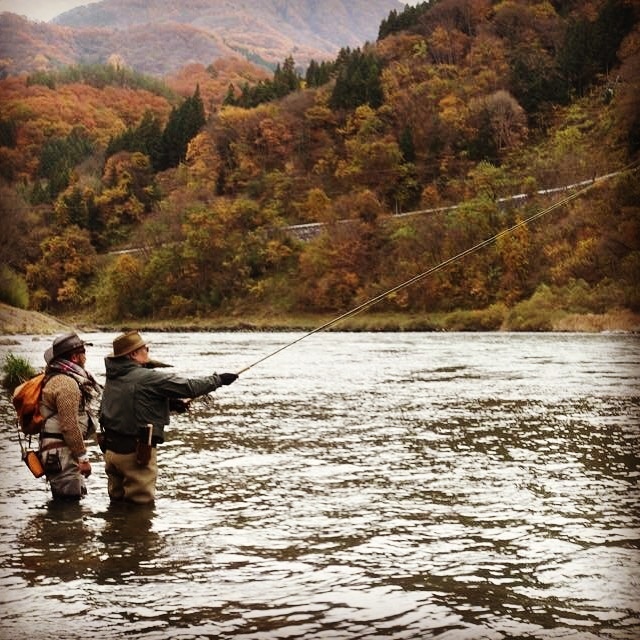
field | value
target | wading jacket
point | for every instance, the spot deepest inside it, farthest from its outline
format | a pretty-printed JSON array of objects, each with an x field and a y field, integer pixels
[{"x": 135, "y": 396}]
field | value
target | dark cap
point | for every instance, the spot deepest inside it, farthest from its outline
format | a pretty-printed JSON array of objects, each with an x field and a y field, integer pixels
[{"x": 63, "y": 345}]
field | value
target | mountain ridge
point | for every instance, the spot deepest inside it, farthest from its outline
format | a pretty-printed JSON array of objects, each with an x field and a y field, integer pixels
[{"x": 141, "y": 33}]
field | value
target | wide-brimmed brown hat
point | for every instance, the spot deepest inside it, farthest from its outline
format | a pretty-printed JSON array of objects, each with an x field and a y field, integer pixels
[
  {"x": 126, "y": 343},
  {"x": 65, "y": 345}
]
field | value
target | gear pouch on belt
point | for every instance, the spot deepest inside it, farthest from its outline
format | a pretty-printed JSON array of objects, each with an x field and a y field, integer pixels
[
  {"x": 32, "y": 460},
  {"x": 52, "y": 463},
  {"x": 144, "y": 446}
]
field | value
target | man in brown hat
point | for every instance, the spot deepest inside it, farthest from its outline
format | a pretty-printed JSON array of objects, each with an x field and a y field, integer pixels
[
  {"x": 66, "y": 397},
  {"x": 135, "y": 409}
]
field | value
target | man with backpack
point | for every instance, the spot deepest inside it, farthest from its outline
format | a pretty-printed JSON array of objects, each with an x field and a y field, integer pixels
[{"x": 65, "y": 406}]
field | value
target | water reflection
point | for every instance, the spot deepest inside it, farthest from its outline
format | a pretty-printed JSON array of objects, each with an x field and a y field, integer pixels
[
  {"x": 128, "y": 544},
  {"x": 57, "y": 544}
]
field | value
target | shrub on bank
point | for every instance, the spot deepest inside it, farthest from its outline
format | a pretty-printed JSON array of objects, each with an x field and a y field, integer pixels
[
  {"x": 549, "y": 306},
  {"x": 489, "y": 319},
  {"x": 15, "y": 371}
]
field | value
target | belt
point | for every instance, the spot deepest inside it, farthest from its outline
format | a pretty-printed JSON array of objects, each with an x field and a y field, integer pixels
[
  {"x": 52, "y": 445},
  {"x": 119, "y": 442},
  {"x": 49, "y": 434}
]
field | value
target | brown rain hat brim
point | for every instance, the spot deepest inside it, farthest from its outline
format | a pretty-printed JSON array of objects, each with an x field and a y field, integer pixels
[{"x": 125, "y": 344}]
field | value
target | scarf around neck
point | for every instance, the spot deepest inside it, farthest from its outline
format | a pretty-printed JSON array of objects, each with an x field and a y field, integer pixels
[{"x": 87, "y": 383}]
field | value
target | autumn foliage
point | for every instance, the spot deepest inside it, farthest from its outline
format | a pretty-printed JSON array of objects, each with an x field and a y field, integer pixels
[{"x": 193, "y": 199}]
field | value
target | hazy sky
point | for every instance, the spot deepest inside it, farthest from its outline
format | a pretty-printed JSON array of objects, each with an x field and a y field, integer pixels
[{"x": 40, "y": 9}]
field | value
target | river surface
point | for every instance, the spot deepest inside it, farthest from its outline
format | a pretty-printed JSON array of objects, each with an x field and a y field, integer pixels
[{"x": 409, "y": 485}]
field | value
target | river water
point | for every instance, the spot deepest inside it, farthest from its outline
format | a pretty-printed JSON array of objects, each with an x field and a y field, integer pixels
[{"x": 411, "y": 485}]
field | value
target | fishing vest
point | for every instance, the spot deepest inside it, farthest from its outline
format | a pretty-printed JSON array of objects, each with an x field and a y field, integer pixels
[{"x": 52, "y": 421}]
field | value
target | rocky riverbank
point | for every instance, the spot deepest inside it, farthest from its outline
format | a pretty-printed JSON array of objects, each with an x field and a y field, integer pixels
[{"x": 18, "y": 321}]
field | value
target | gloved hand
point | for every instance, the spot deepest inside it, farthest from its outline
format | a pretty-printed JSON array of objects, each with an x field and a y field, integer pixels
[
  {"x": 179, "y": 405},
  {"x": 228, "y": 378}
]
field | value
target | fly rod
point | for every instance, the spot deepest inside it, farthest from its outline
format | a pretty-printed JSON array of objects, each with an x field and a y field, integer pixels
[{"x": 442, "y": 265}]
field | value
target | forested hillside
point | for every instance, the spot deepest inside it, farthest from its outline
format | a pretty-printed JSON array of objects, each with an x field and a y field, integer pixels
[{"x": 457, "y": 106}]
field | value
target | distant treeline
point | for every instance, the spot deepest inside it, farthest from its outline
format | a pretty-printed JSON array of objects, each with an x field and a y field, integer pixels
[{"x": 101, "y": 76}]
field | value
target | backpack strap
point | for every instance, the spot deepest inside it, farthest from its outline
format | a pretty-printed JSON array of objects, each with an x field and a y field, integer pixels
[{"x": 48, "y": 411}]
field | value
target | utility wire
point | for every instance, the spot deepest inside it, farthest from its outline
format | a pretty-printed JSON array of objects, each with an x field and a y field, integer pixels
[{"x": 448, "y": 261}]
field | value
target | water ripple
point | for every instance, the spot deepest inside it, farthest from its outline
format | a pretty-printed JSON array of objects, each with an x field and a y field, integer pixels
[{"x": 404, "y": 486}]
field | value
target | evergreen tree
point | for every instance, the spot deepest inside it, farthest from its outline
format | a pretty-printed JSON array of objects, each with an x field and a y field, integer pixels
[
  {"x": 145, "y": 138},
  {"x": 196, "y": 118},
  {"x": 590, "y": 48},
  {"x": 230, "y": 99},
  {"x": 183, "y": 124},
  {"x": 289, "y": 80},
  {"x": 357, "y": 81},
  {"x": 8, "y": 133},
  {"x": 318, "y": 73},
  {"x": 388, "y": 25},
  {"x": 149, "y": 138},
  {"x": 285, "y": 81},
  {"x": 58, "y": 157},
  {"x": 173, "y": 147},
  {"x": 403, "y": 21},
  {"x": 615, "y": 20},
  {"x": 407, "y": 147},
  {"x": 311, "y": 76}
]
